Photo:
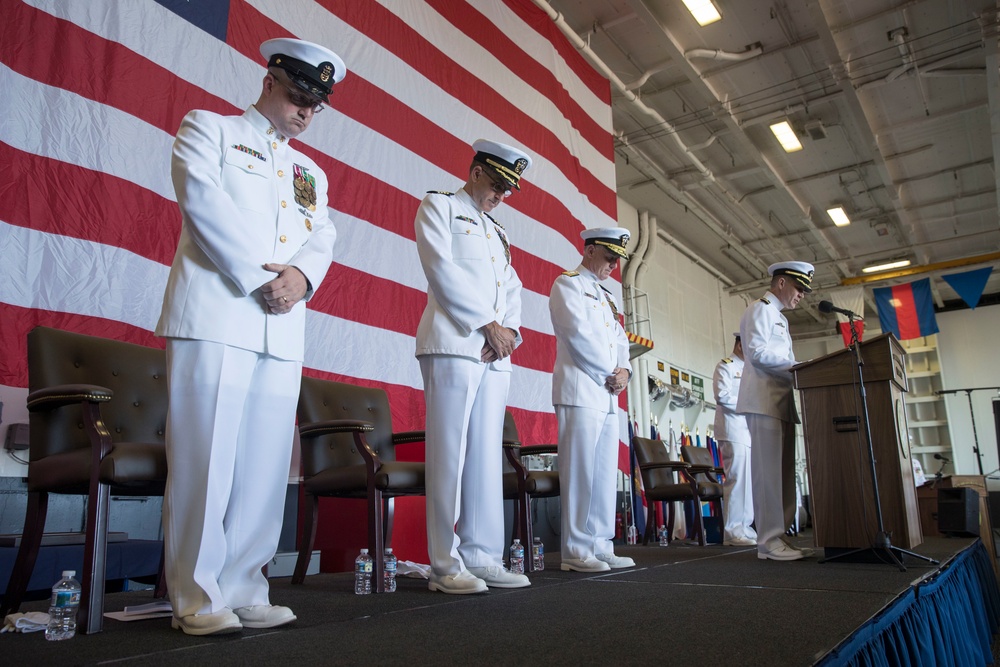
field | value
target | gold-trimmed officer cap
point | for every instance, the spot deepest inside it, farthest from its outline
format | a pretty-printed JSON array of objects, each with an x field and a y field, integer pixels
[
  {"x": 311, "y": 67},
  {"x": 510, "y": 163},
  {"x": 613, "y": 238},
  {"x": 801, "y": 272}
]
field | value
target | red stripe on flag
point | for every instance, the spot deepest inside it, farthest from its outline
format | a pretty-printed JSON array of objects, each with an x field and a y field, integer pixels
[
  {"x": 906, "y": 311},
  {"x": 353, "y": 295},
  {"x": 355, "y": 97},
  {"x": 543, "y": 25},
  {"x": 17, "y": 322},
  {"x": 382, "y": 26},
  {"x": 90, "y": 205}
]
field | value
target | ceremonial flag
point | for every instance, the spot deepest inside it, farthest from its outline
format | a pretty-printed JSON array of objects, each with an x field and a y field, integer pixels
[
  {"x": 970, "y": 284},
  {"x": 907, "y": 310},
  {"x": 94, "y": 92},
  {"x": 852, "y": 299}
]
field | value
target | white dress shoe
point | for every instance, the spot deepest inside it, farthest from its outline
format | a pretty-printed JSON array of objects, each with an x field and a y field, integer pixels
[
  {"x": 264, "y": 616},
  {"x": 497, "y": 577},
  {"x": 584, "y": 565},
  {"x": 780, "y": 552},
  {"x": 616, "y": 562},
  {"x": 219, "y": 623},
  {"x": 463, "y": 583},
  {"x": 739, "y": 542}
]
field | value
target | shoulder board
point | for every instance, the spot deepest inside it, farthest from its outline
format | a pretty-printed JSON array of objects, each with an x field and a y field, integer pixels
[
  {"x": 570, "y": 274},
  {"x": 493, "y": 220},
  {"x": 727, "y": 360},
  {"x": 763, "y": 300},
  {"x": 440, "y": 192}
]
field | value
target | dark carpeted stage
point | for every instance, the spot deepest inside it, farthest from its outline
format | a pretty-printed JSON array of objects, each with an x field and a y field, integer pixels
[{"x": 682, "y": 605}]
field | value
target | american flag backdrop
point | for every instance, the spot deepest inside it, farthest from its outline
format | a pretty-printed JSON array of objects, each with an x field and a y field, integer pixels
[{"x": 94, "y": 92}]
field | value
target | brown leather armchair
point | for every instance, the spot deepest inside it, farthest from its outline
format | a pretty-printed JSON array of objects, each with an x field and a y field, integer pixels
[
  {"x": 705, "y": 475},
  {"x": 667, "y": 480},
  {"x": 98, "y": 411},
  {"x": 349, "y": 451},
  {"x": 521, "y": 484}
]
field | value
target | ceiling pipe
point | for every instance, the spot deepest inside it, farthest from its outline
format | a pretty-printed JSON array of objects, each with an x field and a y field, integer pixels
[
  {"x": 661, "y": 122},
  {"x": 751, "y": 51}
]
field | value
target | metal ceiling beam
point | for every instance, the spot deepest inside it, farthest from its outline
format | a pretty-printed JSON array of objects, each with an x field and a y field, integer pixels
[
  {"x": 925, "y": 268},
  {"x": 667, "y": 41}
]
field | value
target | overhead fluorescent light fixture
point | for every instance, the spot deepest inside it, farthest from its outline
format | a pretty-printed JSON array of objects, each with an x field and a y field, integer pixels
[
  {"x": 885, "y": 267},
  {"x": 838, "y": 216},
  {"x": 703, "y": 11},
  {"x": 785, "y": 135}
]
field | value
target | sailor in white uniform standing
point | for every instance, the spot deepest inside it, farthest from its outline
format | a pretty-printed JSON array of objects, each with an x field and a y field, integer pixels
[
  {"x": 256, "y": 242},
  {"x": 591, "y": 370},
  {"x": 767, "y": 400},
  {"x": 466, "y": 335},
  {"x": 733, "y": 436}
]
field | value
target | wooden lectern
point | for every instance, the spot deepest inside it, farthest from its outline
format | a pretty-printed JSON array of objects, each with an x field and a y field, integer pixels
[{"x": 837, "y": 456}]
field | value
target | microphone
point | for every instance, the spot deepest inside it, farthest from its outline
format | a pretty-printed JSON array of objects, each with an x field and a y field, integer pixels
[
  {"x": 942, "y": 458},
  {"x": 828, "y": 307}
]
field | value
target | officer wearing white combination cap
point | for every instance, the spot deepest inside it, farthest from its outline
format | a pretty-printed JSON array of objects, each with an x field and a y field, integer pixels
[
  {"x": 591, "y": 370},
  {"x": 733, "y": 436},
  {"x": 766, "y": 399},
  {"x": 465, "y": 338},
  {"x": 256, "y": 242}
]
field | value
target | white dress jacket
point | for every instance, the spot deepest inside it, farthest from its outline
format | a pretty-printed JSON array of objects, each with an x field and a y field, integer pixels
[
  {"x": 246, "y": 199},
  {"x": 766, "y": 387},
  {"x": 729, "y": 425},
  {"x": 590, "y": 341},
  {"x": 470, "y": 281}
]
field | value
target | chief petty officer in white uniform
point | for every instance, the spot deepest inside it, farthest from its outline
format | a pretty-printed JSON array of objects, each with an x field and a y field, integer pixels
[
  {"x": 591, "y": 370},
  {"x": 465, "y": 338},
  {"x": 256, "y": 242},
  {"x": 733, "y": 436},
  {"x": 766, "y": 399}
]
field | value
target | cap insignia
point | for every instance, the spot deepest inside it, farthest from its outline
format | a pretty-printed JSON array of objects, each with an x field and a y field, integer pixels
[
  {"x": 520, "y": 165},
  {"x": 325, "y": 71}
]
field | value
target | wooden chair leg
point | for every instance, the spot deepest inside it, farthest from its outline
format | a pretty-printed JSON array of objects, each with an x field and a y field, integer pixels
[
  {"x": 650, "y": 520},
  {"x": 671, "y": 509},
  {"x": 524, "y": 519},
  {"x": 27, "y": 553},
  {"x": 310, "y": 515},
  {"x": 699, "y": 522},
  {"x": 376, "y": 548},
  {"x": 95, "y": 559},
  {"x": 389, "y": 511}
]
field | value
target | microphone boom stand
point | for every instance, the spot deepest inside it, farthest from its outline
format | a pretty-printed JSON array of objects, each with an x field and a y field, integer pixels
[{"x": 882, "y": 540}]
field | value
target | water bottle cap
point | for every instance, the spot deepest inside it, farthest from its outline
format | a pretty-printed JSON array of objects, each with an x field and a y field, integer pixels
[
  {"x": 389, "y": 550},
  {"x": 67, "y": 574},
  {"x": 364, "y": 551},
  {"x": 517, "y": 541}
]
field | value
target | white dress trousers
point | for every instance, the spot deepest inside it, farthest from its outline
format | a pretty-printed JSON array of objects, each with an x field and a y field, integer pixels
[
  {"x": 229, "y": 430},
  {"x": 588, "y": 465},
  {"x": 464, "y": 470},
  {"x": 733, "y": 437}
]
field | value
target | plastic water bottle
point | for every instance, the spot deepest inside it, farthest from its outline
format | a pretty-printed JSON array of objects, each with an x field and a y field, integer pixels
[
  {"x": 517, "y": 557},
  {"x": 63, "y": 607},
  {"x": 538, "y": 554},
  {"x": 363, "y": 573},
  {"x": 390, "y": 571},
  {"x": 664, "y": 537}
]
